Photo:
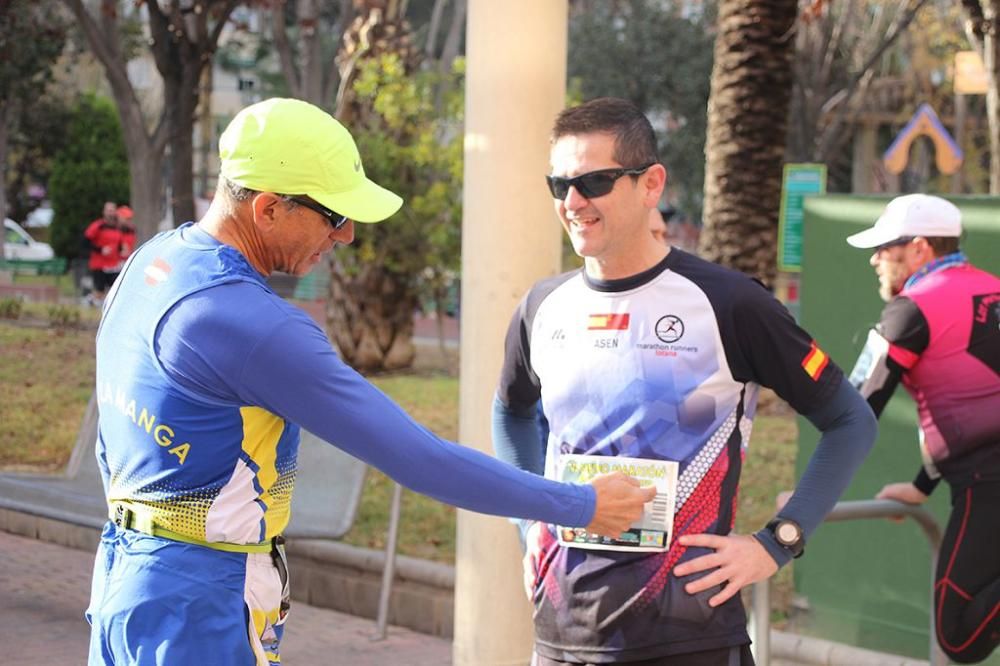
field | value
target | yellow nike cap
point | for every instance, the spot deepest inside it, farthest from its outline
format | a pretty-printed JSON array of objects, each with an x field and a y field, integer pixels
[{"x": 288, "y": 146}]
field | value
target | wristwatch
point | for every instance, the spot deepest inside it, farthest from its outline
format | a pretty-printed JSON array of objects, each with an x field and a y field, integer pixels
[{"x": 788, "y": 534}]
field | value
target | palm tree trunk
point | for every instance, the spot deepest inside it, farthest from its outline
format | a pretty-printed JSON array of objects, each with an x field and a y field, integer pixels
[
  {"x": 369, "y": 317},
  {"x": 370, "y": 308},
  {"x": 747, "y": 120}
]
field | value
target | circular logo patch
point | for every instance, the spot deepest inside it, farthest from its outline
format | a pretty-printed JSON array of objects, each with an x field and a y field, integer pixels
[{"x": 669, "y": 328}]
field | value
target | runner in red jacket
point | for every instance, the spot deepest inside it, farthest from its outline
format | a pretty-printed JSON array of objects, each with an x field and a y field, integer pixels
[
  {"x": 128, "y": 237},
  {"x": 105, "y": 236}
]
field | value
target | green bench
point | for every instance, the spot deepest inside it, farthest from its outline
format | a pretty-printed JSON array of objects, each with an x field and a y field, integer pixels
[
  {"x": 56, "y": 266},
  {"x": 44, "y": 290}
]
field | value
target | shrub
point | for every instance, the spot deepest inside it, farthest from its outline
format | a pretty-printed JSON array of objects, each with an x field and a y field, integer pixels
[
  {"x": 11, "y": 308},
  {"x": 92, "y": 168},
  {"x": 64, "y": 316}
]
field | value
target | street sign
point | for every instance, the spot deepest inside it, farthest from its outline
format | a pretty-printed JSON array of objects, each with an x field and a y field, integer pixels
[
  {"x": 970, "y": 74},
  {"x": 798, "y": 181}
]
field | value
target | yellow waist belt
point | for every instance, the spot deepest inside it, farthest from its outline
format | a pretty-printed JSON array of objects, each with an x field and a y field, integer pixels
[{"x": 141, "y": 520}]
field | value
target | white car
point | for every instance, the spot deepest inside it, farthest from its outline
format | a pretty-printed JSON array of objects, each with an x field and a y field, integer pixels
[
  {"x": 40, "y": 217},
  {"x": 17, "y": 244}
]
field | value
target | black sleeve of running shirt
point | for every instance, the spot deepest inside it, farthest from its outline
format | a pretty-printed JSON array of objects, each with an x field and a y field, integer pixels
[
  {"x": 882, "y": 383},
  {"x": 766, "y": 346},
  {"x": 904, "y": 325},
  {"x": 519, "y": 387}
]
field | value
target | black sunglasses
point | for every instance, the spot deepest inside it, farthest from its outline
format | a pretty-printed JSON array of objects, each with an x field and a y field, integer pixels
[
  {"x": 336, "y": 220},
  {"x": 905, "y": 240},
  {"x": 592, "y": 184}
]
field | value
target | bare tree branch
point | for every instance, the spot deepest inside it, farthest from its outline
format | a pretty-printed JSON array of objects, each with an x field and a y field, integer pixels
[
  {"x": 281, "y": 44},
  {"x": 159, "y": 28},
  {"x": 347, "y": 66},
  {"x": 991, "y": 61},
  {"x": 227, "y": 10},
  {"x": 105, "y": 47},
  {"x": 454, "y": 39},
  {"x": 310, "y": 52},
  {"x": 201, "y": 14},
  {"x": 178, "y": 22},
  {"x": 974, "y": 24},
  {"x": 976, "y": 19},
  {"x": 831, "y": 135},
  {"x": 344, "y": 18},
  {"x": 145, "y": 150},
  {"x": 833, "y": 44},
  {"x": 435, "y": 25}
]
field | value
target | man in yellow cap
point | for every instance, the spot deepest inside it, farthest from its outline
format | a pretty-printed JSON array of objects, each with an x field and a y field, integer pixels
[{"x": 204, "y": 376}]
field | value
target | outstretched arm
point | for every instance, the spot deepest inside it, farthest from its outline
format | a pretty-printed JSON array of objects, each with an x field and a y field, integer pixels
[
  {"x": 517, "y": 440},
  {"x": 878, "y": 372},
  {"x": 289, "y": 368}
]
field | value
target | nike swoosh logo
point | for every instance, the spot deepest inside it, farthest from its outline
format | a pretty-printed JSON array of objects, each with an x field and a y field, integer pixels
[{"x": 357, "y": 165}]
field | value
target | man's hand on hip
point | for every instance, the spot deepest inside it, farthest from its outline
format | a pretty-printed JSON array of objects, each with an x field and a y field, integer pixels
[
  {"x": 739, "y": 560},
  {"x": 619, "y": 503}
]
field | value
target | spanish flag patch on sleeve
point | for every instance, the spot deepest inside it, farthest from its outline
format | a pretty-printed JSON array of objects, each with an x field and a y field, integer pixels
[{"x": 815, "y": 361}]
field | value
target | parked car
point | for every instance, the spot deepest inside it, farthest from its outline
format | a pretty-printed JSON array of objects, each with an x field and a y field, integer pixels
[
  {"x": 17, "y": 244},
  {"x": 40, "y": 217}
]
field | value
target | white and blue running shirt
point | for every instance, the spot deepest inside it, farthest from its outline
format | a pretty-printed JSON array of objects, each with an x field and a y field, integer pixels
[{"x": 663, "y": 365}]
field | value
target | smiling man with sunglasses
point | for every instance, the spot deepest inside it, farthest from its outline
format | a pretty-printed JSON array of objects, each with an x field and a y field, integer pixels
[
  {"x": 651, "y": 359},
  {"x": 939, "y": 334},
  {"x": 204, "y": 377}
]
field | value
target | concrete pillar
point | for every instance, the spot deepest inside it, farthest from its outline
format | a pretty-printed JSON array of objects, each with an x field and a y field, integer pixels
[{"x": 515, "y": 85}]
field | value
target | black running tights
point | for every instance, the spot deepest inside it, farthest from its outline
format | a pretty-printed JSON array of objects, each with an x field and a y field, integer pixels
[{"x": 967, "y": 587}]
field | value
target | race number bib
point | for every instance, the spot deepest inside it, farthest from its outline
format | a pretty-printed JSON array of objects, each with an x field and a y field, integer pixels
[
  {"x": 652, "y": 532},
  {"x": 872, "y": 356}
]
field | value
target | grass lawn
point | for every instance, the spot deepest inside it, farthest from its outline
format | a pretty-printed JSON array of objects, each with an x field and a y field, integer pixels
[{"x": 46, "y": 378}]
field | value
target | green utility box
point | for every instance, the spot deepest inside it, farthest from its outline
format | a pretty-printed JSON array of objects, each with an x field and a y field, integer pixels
[{"x": 867, "y": 582}]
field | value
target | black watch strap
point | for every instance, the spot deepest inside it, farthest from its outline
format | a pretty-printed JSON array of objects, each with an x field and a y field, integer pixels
[{"x": 789, "y": 535}]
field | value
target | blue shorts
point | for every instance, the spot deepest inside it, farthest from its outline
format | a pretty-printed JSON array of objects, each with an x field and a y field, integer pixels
[{"x": 156, "y": 601}]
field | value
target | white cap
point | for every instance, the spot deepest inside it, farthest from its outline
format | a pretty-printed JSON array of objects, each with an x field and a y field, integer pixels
[{"x": 910, "y": 216}]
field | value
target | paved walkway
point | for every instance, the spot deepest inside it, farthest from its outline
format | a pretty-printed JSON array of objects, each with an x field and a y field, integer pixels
[{"x": 44, "y": 590}]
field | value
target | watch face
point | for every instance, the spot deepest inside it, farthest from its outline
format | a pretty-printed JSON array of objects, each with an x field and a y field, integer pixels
[{"x": 787, "y": 533}]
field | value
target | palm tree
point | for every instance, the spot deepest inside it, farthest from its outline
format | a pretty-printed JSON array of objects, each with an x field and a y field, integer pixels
[
  {"x": 747, "y": 120},
  {"x": 374, "y": 284},
  {"x": 369, "y": 312}
]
